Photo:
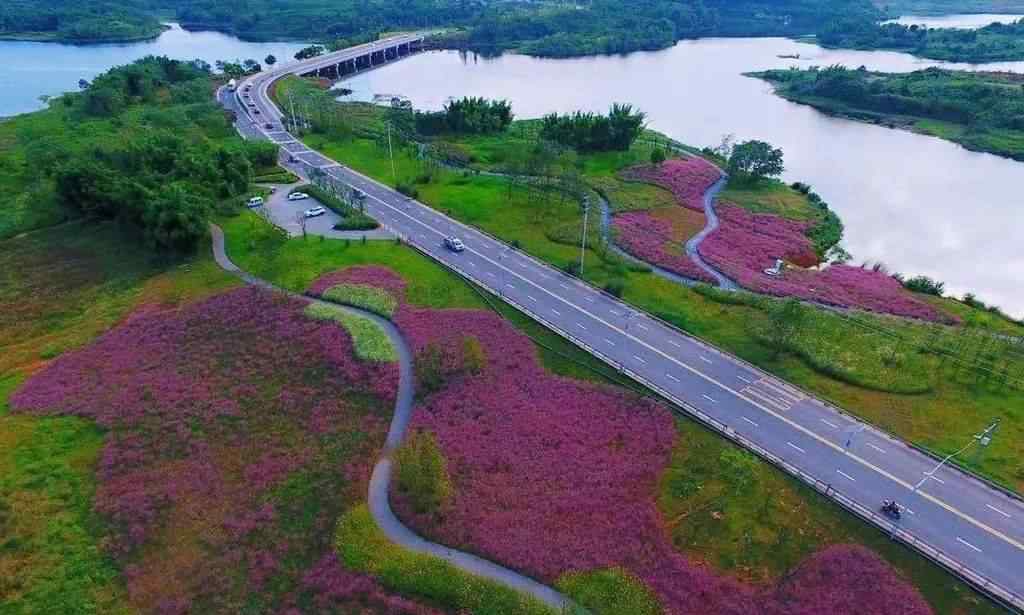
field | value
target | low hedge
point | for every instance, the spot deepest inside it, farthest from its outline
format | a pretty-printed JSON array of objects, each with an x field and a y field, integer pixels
[
  {"x": 366, "y": 297},
  {"x": 370, "y": 341},
  {"x": 351, "y": 219}
]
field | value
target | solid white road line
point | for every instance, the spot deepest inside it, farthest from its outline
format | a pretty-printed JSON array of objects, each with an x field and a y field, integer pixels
[
  {"x": 796, "y": 447},
  {"x": 744, "y": 396},
  {"x": 749, "y": 421},
  {"x": 847, "y": 475},
  {"x": 877, "y": 448},
  {"x": 1005, "y": 514},
  {"x": 830, "y": 423},
  {"x": 961, "y": 540}
]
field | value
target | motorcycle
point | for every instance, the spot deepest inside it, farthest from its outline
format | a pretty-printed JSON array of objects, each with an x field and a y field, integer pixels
[{"x": 892, "y": 509}]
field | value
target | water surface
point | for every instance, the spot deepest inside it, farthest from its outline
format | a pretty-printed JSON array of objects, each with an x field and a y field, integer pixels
[
  {"x": 29, "y": 70},
  {"x": 963, "y": 22},
  {"x": 919, "y": 204}
]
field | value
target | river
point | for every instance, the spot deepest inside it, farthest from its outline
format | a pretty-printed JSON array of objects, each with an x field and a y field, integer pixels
[
  {"x": 29, "y": 70},
  {"x": 964, "y": 22},
  {"x": 919, "y": 204}
]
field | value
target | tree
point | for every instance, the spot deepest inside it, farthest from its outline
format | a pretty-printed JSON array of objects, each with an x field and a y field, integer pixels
[
  {"x": 251, "y": 66},
  {"x": 756, "y": 160},
  {"x": 270, "y": 60},
  {"x": 421, "y": 472},
  {"x": 657, "y": 156},
  {"x": 174, "y": 219}
]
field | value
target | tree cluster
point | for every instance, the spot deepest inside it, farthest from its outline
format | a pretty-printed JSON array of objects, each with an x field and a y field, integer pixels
[
  {"x": 469, "y": 115},
  {"x": 755, "y": 160},
  {"x": 151, "y": 176},
  {"x": 590, "y": 132}
]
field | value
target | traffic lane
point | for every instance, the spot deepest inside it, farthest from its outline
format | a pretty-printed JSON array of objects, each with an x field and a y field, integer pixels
[{"x": 424, "y": 234}]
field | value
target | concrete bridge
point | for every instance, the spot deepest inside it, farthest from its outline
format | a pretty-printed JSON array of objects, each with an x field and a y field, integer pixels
[{"x": 365, "y": 57}]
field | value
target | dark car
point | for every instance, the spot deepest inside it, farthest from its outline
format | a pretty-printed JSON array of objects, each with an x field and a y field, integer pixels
[{"x": 268, "y": 126}]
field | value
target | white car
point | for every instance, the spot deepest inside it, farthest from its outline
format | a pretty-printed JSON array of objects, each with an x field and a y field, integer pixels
[
  {"x": 316, "y": 211},
  {"x": 297, "y": 196},
  {"x": 454, "y": 244}
]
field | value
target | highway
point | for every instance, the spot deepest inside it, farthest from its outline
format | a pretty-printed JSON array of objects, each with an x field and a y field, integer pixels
[{"x": 970, "y": 527}]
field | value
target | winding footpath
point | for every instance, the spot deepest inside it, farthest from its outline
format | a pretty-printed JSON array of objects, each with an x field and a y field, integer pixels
[
  {"x": 379, "y": 504},
  {"x": 712, "y": 224}
]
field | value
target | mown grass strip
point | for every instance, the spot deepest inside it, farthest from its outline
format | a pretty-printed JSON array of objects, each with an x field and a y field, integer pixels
[
  {"x": 367, "y": 297},
  {"x": 371, "y": 342}
]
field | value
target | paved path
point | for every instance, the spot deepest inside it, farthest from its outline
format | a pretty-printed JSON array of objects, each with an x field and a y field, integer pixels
[
  {"x": 380, "y": 506},
  {"x": 712, "y": 223},
  {"x": 954, "y": 518}
]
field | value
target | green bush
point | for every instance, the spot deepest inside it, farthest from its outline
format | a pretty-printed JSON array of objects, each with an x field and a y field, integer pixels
[
  {"x": 421, "y": 473},
  {"x": 615, "y": 287},
  {"x": 351, "y": 218},
  {"x": 362, "y": 547},
  {"x": 367, "y": 297},
  {"x": 611, "y": 591},
  {"x": 370, "y": 341}
]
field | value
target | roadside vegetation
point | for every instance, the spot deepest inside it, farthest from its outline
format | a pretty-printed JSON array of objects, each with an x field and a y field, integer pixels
[
  {"x": 933, "y": 384},
  {"x": 981, "y": 111}
]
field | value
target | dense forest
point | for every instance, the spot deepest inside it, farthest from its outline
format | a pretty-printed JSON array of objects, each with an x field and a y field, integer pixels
[
  {"x": 112, "y": 20},
  {"x": 993, "y": 43},
  {"x": 548, "y": 29},
  {"x": 144, "y": 144},
  {"x": 982, "y": 111}
]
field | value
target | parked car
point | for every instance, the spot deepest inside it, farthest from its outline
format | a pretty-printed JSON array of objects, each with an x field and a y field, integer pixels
[
  {"x": 268, "y": 126},
  {"x": 316, "y": 211},
  {"x": 454, "y": 244},
  {"x": 297, "y": 196},
  {"x": 256, "y": 111},
  {"x": 256, "y": 201}
]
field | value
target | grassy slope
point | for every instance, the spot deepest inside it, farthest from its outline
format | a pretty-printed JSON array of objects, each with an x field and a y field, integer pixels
[
  {"x": 60, "y": 289},
  {"x": 833, "y": 351},
  {"x": 751, "y": 543}
]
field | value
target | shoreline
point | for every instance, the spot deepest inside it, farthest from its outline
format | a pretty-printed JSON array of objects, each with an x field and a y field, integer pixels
[{"x": 46, "y": 37}]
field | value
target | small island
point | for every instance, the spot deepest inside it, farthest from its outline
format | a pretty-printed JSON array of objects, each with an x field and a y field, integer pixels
[{"x": 981, "y": 111}]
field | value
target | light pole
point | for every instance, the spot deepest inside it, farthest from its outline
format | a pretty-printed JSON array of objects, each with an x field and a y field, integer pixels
[
  {"x": 391, "y": 155},
  {"x": 583, "y": 239},
  {"x": 983, "y": 439}
]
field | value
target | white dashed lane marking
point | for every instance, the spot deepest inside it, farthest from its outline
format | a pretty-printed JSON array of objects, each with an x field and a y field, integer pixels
[
  {"x": 877, "y": 448},
  {"x": 796, "y": 447},
  {"x": 531, "y": 298},
  {"x": 830, "y": 423},
  {"x": 962, "y": 541},
  {"x": 639, "y": 359},
  {"x": 705, "y": 359},
  {"x": 1005, "y": 514},
  {"x": 673, "y": 378},
  {"x": 749, "y": 421},
  {"x": 710, "y": 399},
  {"x": 846, "y": 475}
]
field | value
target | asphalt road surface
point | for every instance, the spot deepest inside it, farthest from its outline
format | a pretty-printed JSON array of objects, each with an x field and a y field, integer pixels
[{"x": 973, "y": 528}]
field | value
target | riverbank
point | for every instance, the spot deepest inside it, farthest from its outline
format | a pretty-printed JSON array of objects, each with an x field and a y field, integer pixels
[
  {"x": 57, "y": 37},
  {"x": 973, "y": 110}
]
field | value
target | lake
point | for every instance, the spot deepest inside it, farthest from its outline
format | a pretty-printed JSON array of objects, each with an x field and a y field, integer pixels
[
  {"x": 919, "y": 204},
  {"x": 29, "y": 70},
  {"x": 964, "y": 22}
]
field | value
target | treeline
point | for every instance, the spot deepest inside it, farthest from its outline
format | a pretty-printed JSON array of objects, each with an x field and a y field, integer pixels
[
  {"x": 77, "y": 21},
  {"x": 989, "y": 107},
  {"x": 993, "y": 43},
  {"x": 591, "y": 132},
  {"x": 134, "y": 147},
  {"x": 469, "y": 115}
]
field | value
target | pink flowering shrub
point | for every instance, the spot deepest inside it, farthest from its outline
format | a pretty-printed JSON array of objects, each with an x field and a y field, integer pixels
[
  {"x": 238, "y": 428},
  {"x": 651, "y": 239},
  {"x": 687, "y": 179},
  {"x": 746, "y": 244},
  {"x": 552, "y": 475},
  {"x": 372, "y": 275}
]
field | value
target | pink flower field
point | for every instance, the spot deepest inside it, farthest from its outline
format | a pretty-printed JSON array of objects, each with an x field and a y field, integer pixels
[
  {"x": 686, "y": 178},
  {"x": 237, "y": 430},
  {"x": 746, "y": 244},
  {"x": 553, "y": 475},
  {"x": 651, "y": 239}
]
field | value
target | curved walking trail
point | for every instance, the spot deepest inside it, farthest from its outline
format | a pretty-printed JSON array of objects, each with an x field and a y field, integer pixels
[{"x": 379, "y": 504}]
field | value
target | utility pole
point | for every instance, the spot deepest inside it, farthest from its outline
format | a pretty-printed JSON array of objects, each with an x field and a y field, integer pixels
[
  {"x": 291, "y": 104},
  {"x": 583, "y": 240},
  {"x": 983, "y": 439},
  {"x": 391, "y": 155}
]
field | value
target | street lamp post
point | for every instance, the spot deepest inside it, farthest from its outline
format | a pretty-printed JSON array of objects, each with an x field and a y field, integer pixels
[
  {"x": 982, "y": 439},
  {"x": 583, "y": 239}
]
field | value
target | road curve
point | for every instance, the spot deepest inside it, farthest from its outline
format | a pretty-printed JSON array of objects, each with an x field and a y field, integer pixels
[
  {"x": 955, "y": 519},
  {"x": 379, "y": 504}
]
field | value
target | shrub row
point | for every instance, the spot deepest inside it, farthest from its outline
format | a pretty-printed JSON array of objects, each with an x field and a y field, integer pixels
[{"x": 370, "y": 341}]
